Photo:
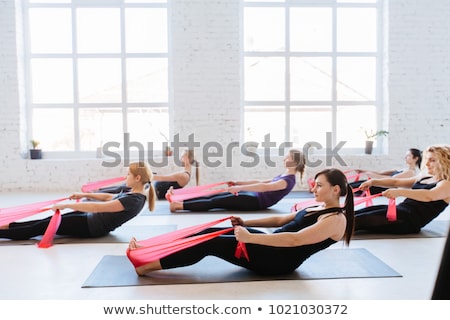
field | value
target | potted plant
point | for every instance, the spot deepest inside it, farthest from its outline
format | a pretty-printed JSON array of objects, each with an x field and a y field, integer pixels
[
  {"x": 35, "y": 153},
  {"x": 370, "y": 138}
]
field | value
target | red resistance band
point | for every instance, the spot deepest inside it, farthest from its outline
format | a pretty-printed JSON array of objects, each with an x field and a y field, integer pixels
[
  {"x": 93, "y": 186},
  {"x": 196, "y": 191},
  {"x": 391, "y": 214},
  {"x": 12, "y": 214},
  {"x": 161, "y": 246}
]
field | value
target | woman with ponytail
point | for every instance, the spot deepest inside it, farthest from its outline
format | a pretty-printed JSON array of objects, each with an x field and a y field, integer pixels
[
  {"x": 299, "y": 235},
  {"x": 91, "y": 219},
  {"x": 250, "y": 195},
  {"x": 179, "y": 179}
]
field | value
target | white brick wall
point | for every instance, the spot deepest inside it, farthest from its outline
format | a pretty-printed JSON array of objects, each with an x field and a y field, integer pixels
[{"x": 206, "y": 92}]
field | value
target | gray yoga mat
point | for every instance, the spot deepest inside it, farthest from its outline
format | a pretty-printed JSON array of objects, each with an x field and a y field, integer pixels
[
  {"x": 120, "y": 235},
  {"x": 116, "y": 271},
  {"x": 435, "y": 229}
]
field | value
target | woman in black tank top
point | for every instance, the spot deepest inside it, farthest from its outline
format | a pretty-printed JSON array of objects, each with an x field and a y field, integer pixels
[
  {"x": 176, "y": 180},
  {"x": 426, "y": 197},
  {"x": 299, "y": 235}
]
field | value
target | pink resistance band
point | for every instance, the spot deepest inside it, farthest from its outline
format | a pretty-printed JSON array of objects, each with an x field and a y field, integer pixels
[
  {"x": 93, "y": 186},
  {"x": 195, "y": 191},
  {"x": 391, "y": 214},
  {"x": 161, "y": 246},
  {"x": 12, "y": 214}
]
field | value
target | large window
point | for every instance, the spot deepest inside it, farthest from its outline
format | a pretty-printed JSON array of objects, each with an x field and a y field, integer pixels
[
  {"x": 312, "y": 67},
  {"x": 97, "y": 69}
]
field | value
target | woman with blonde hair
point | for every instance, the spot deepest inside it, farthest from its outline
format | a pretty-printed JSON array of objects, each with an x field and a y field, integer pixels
[
  {"x": 91, "y": 219},
  {"x": 427, "y": 195}
]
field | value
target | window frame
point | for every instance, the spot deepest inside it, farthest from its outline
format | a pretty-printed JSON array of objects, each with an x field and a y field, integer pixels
[
  {"x": 334, "y": 54},
  {"x": 121, "y": 106}
]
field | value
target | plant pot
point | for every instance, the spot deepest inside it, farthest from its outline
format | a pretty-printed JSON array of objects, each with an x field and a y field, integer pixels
[
  {"x": 369, "y": 147},
  {"x": 35, "y": 154},
  {"x": 168, "y": 152}
]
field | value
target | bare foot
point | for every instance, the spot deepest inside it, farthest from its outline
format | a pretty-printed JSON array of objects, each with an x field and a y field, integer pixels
[
  {"x": 133, "y": 244},
  {"x": 174, "y": 206},
  {"x": 169, "y": 194}
]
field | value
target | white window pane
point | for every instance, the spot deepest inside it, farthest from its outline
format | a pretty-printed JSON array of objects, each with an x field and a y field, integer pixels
[
  {"x": 146, "y": 30},
  {"x": 99, "y": 126},
  {"x": 98, "y": 30},
  {"x": 262, "y": 121},
  {"x": 356, "y": 79},
  {"x": 147, "y": 80},
  {"x": 99, "y": 80},
  {"x": 351, "y": 131},
  {"x": 149, "y": 127},
  {"x": 51, "y": 80},
  {"x": 357, "y": 29},
  {"x": 310, "y": 29},
  {"x": 53, "y": 135},
  {"x": 50, "y": 30},
  {"x": 264, "y": 29},
  {"x": 264, "y": 79},
  {"x": 310, "y": 78},
  {"x": 310, "y": 124}
]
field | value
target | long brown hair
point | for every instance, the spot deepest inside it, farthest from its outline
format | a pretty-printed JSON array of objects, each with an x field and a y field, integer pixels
[
  {"x": 337, "y": 177},
  {"x": 299, "y": 159},
  {"x": 193, "y": 162},
  {"x": 143, "y": 170}
]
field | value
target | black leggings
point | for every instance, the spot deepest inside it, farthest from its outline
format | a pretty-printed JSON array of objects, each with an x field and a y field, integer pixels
[
  {"x": 265, "y": 260},
  {"x": 244, "y": 201},
  {"x": 161, "y": 188},
  {"x": 72, "y": 224},
  {"x": 374, "y": 219}
]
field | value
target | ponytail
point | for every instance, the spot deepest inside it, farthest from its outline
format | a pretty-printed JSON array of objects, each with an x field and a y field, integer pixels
[
  {"x": 197, "y": 172},
  {"x": 151, "y": 196},
  {"x": 349, "y": 210}
]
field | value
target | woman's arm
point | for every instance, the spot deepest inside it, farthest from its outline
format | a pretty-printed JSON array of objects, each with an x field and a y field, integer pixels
[
  {"x": 389, "y": 182},
  {"x": 94, "y": 207},
  {"x": 440, "y": 192},
  {"x": 182, "y": 177},
  {"x": 260, "y": 186},
  {"x": 92, "y": 196},
  {"x": 329, "y": 227},
  {"x": 268, "y": 222}
]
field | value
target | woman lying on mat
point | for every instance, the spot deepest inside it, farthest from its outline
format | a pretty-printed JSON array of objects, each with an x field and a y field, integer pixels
[
  {"x": 427, "y": 195},
  {"x": 413, "y": 159},
  {"x": 162, "y": 182},
  {"x": 249, "y": 195},
  {"x": 93, "y": 218},
  {"x": 299, "y": 235}
]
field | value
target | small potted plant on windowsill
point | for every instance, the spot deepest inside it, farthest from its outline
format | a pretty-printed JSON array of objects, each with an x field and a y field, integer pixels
[
  {"x": 370, "y": 138},
  {"x": 35, "y": 153}
]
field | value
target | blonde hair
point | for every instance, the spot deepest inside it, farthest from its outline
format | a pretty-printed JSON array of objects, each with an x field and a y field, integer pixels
[
  {"x": 143, "y": 170},
  {"x": 442, "y": 154}
]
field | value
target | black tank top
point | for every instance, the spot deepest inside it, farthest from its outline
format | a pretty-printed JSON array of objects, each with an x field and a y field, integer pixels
[{"x": 422, "y": 212}]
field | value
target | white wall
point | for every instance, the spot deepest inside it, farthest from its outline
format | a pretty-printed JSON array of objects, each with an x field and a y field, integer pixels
[{"x": 206, "y": 92}]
